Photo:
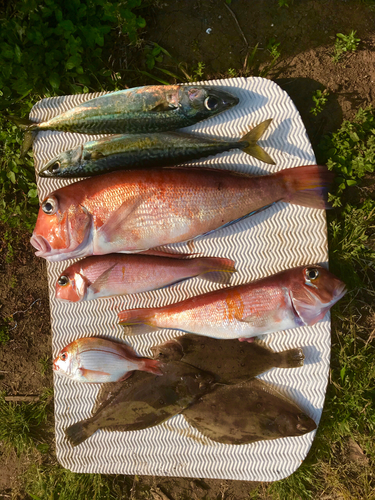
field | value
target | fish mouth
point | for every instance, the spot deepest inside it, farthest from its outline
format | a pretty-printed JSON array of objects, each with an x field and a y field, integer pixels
[
  {"x": 339, "y": 293},
  {"x": 41, "y": 244}
]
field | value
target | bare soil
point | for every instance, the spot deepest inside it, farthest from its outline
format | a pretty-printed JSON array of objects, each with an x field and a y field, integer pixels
[{"x": 221, "y": 36}]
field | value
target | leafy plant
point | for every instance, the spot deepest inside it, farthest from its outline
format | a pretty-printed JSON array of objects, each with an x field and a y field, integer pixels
[
  {"x": 345, "y": 43},
  {"x": 320, "y": 98},
  {"x": 198, "y": 72},
  {"x": 273, "y": 49},
  {"x": 20, "y": 422},
  {"x": 57, "y": 46},
  {"x": 285, "y": 3},
  {"x": 350, "y": 152}
]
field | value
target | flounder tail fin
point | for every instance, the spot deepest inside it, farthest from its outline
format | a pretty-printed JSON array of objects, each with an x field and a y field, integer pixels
[
  {"x": 307, "y": 186},
  {"x": 292, "y": 358},
  {"x": 253, "y": 149},
  {"x": 217, "y": 270},
  {"x": 79, "y": 432}
]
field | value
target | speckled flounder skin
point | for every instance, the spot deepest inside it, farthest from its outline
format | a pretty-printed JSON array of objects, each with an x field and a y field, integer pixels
[
  {"x": 248, "y": 412},
  {"x": 229, "y": 361},
  {"x": 144, "y": 400}
]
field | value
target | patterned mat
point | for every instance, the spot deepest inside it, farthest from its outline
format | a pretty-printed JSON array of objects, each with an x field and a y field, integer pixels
[{"x": 281, "y": 237}]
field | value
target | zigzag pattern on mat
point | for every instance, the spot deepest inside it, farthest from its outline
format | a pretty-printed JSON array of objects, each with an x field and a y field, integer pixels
[{"x": 280, "y": 237}]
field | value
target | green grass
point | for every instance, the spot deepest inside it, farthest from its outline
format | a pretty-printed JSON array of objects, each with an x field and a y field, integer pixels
[
  {"x": 56, "y": 483},
  {"x": 20, "y": 423}
]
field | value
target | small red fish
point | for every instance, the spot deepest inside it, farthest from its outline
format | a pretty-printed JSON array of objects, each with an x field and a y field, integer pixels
[
  {"x": 98, "y": 360},
  {"x": 132, "y": 211},
  {"x": 116, "y": 274},
  {"x": 295, "y": 297}
]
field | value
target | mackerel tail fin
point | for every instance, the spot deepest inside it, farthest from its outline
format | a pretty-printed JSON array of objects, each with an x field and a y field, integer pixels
[
  {"x": 252, "y": 148},
  {"x": 292, "y": 358},
  {"x": 137, "y": 321},
  {"x": 217, "y": 270},
  {"x": 29, "y": 128},
  {"x": 307, "y": 186},
  {"x": 79, "y": 432}
]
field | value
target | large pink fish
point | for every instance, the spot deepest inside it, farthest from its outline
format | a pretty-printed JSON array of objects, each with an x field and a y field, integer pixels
[
  {"x": 98, "y": 360},
  {"x": 119, "y": 274},
  {"x": 296, "y": 297},
  {"x": 132, "y": 211}
]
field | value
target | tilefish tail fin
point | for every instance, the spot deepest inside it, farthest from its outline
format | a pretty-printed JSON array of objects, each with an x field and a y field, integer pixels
[
  {"x": 307, "y": 185},
  {"x": 137, "y": 321},
  {"x": 217, "y": 270},
  {"x": 29, "y": 128},
  {"x": 253, "y": 149}
]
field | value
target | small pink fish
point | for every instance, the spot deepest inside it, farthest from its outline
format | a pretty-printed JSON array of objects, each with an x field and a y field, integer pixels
[
  {"x": 295, "y": 297},
  {"x": 115, "y": 274},
  {"x": 98, "y": 360}
]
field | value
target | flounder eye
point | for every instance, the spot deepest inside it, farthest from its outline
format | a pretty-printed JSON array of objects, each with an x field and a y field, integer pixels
[
  {"x": 311, "y": 274},
  {"x": 63, "y": 356},
  {"x": 211, "y": 103},
  {"x": 49, "y": 206},
  {"x": 63, "y": 280}
]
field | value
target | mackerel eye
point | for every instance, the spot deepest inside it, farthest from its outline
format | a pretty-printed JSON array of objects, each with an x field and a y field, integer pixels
[
  {"x": 49, "y": 206},
  {"x": 211, "y": 103},
  {"x": 55, "y": 167},
  {"x": 311, "y": 274},
  {"x": 63, "y": 280}
]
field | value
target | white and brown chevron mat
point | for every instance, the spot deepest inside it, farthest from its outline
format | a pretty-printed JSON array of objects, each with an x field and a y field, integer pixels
[{"x": 282, "y": 236}]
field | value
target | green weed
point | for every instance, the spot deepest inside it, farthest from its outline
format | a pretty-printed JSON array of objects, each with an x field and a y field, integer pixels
[
  {"x": 320, "y": 98},
  {"x": 20, "y": 423},
  {"x": 273, "y": 49},
  {"x": 345, "y": 43},
  {"x": 198, "y": 72},
  {"x": 45, "y": 365},
  {"x": 350, "y": 152},
  {"x": 56, "y": 483},
  {"x": 285, "y": 3}
]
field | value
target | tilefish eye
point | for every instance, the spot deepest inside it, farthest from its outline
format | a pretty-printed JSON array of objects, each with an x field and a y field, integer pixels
[
  {"x": 63, "y": 280},
  {"x": 63, "y": 356},
  {"x": 49, "y": 206},
  {"x": 311, "y": 274},
  {"x": 211, "y": 103}
]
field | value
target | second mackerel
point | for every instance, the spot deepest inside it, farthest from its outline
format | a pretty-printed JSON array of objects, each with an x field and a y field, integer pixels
[{"x": 119, "y": 152}]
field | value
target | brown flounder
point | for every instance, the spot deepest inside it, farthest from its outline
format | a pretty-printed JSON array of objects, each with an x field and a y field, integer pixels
[
  {"x": 229, "y": 361},
  {"x": 144, "y": 400},
  {"x": 247, "y": 412}
]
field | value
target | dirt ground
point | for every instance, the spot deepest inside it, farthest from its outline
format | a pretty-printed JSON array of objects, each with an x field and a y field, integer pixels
[{"x": 306, "y": 32}]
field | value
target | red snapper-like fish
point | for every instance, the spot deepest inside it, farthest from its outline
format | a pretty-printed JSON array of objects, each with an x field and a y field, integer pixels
[
  {"x": 133, "y": 211},
  {"x": 98, "y": 360},
  {"x": 295, "y": 297}
]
